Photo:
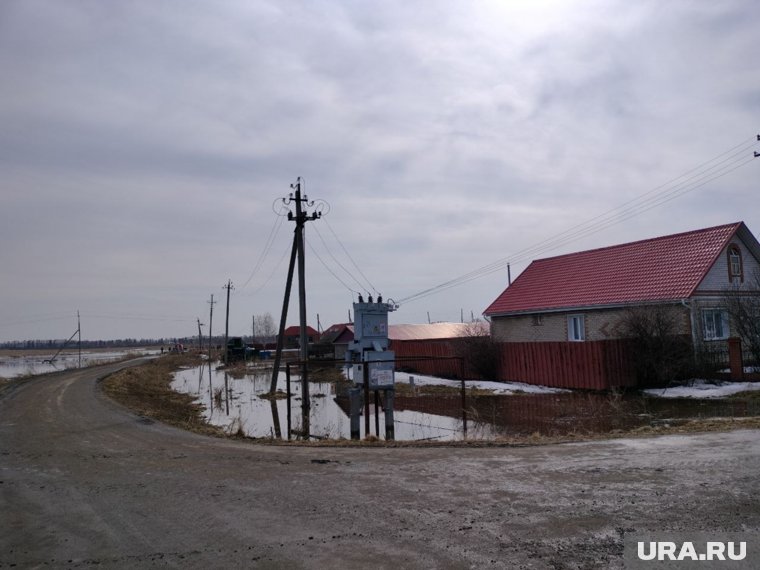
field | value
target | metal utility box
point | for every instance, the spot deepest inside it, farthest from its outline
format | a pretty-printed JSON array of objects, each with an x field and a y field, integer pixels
[
  {"x": 381, "y": 373},
  {"x": 370, "y": 327}
]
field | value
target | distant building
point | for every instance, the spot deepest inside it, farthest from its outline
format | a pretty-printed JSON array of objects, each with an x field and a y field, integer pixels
[{"x": 292, "y": 336}]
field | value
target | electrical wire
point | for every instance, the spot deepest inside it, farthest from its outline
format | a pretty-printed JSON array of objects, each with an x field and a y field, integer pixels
[
  {"x": 268, "y": 244},
  {"x": 695, "y": 178},
  {"x": 351, "y": 258},
  {"x": 276, "y": 267},
  {"x": 330, "y": 253},
  {"x": 322, "y": 261}
]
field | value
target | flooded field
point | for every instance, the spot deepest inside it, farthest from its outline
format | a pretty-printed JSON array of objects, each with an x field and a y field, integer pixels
[
  {"x": 437, "y": 413},
  {"x": 38, "y": 362}
]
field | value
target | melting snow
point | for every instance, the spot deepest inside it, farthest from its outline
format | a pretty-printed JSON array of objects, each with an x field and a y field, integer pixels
[
  {"x": 704, "y": 389},
  {"x": 496, "y": 387}
]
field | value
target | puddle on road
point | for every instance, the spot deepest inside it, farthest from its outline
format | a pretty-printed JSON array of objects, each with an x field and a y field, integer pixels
[{"x": 236, "y": 403}]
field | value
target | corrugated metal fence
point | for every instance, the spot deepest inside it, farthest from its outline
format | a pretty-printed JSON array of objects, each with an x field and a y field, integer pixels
[{"x": 598, "y": 365}]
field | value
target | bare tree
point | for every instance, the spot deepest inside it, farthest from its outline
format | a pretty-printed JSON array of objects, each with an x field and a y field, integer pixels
[
  {"x": 479, "y": 351},
  {"x": 743, "y": 306},
  {"x": 264, "y": 329},
  {"x": 663, "y": 353}
]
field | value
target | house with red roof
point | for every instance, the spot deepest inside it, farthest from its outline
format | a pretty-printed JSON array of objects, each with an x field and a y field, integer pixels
[
  {"x": 584, "y": 297},
  {"x": 292, "y": 336}
]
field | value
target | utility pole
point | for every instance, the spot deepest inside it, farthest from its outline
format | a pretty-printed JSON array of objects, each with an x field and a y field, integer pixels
[
  {"x": 227, "y": 319},
  {"x": 79, "y": 332},
  {"x": 210, "y": 324},
  {"x": 200, "y": 336},
  {"x": 298, "y": 251}
]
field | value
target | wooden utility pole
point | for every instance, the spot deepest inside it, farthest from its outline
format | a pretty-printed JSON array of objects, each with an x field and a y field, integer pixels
[
  {"x": 227, "y": 319},
  {"x": 283, "y": 319},
  {"x": 200, "y": 336},
  {"x": 210, "y": 324},
  {"x": 300, "y": 218},
  {"x": 79, "y": 332}
]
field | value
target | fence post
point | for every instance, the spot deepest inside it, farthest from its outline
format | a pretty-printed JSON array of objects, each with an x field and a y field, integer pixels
[
  {"x": 365, "y": 373},
  {"x": 287, "y": 383},
  {"x": 464, "y": 410},
  {"x": 735, "y": 358},
  {"x": 390, "y": 430},
  {"x": 355, "y": 398}
]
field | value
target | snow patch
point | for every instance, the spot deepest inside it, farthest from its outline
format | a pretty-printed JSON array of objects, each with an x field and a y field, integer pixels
[
  {"x": 704, "y": 389},
  {"x": 504, "y": 388}
]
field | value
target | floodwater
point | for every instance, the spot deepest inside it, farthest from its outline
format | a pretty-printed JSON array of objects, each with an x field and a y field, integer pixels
[
  {"x": 236, "y": 404},
  {"x": 39, "y": 363}
]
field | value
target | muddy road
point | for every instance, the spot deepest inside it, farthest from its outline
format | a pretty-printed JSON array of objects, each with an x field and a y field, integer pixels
[{"x": 85, "y": 483}]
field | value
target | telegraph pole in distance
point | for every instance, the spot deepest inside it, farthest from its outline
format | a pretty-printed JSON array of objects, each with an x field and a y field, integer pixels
[
  {"x": 79, "y": 332},
  {"x": 227, "y": 320},
  {"x": 200, "y": 336},
  {"x": 210, "y": 324}
]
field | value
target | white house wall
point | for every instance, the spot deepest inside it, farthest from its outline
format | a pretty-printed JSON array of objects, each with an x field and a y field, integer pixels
[{"x": 716, "y": 279}]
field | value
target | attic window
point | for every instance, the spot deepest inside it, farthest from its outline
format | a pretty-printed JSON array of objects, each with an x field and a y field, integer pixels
[
  {"x": 538, "y": 320},
  {"x": 735, "y": 268}
]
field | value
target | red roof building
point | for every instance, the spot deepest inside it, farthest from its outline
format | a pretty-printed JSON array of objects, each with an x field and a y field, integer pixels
[
  {"x": 292, "y": 336},
  {"x": 580, "y": 296}
]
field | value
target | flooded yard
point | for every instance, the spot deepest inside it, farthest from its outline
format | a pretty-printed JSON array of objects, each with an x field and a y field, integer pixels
[{"x": 435, "y": 409}]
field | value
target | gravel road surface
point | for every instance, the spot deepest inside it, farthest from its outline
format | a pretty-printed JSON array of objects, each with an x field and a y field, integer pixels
[{"x": 86, "y": 483}]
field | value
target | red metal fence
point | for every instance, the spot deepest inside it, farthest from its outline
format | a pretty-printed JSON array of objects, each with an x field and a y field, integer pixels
[
  {"x": 429, "y": 349},
  {"x": 598, "y": 365}
]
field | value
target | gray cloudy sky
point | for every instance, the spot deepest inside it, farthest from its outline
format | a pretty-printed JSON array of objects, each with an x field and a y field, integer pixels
[{"x": 143, "y": 144}]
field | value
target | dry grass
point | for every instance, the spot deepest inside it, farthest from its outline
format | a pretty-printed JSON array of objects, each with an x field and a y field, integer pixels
[{"x": 146, "y": 390}]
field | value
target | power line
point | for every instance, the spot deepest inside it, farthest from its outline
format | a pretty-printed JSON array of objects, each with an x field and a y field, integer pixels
[
  {"x": 329, "y": 227},
  {"x": 330, "y": 253},
  {"x": 269, "y": 241},
  {"x": 692, "y": 179},
  {"x": 322, "y": 261}
]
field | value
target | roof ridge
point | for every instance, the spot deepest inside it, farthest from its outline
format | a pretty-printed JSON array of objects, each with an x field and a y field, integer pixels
[
  {"x": 735, "y": 225},
  {"x": 652, "y": 269}
]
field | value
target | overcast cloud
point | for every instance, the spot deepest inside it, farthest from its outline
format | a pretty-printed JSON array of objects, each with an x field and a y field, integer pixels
[{"x": 144, "y": 143}]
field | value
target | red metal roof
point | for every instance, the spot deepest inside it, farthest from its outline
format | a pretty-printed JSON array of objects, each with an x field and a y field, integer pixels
[
  {"x": 295, "y": 330},
  {"x": 420, "y": 332},
  {"x": 658, "y": 269},
  {"x": 429, "y": 332}
]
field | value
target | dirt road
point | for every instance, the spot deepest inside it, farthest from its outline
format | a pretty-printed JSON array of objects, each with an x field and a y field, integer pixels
[{"x": 84, "y": 482}]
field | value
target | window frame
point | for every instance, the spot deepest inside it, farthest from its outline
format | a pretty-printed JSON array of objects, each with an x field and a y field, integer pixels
[
  {"x": 710, "y": 324},
  {"x": 572, "y": 329},
  {"x": 734, "y": 256}
]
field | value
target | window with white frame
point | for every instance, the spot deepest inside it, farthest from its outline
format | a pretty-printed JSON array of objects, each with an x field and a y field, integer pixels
[
  {"x": 715, "y": 322},
  {"x": 735, "y": 269},
  {"x": 576, "y": 328}
]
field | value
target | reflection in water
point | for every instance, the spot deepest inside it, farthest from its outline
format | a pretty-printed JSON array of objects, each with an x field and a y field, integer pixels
[{"x": 419, "y": 416}]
